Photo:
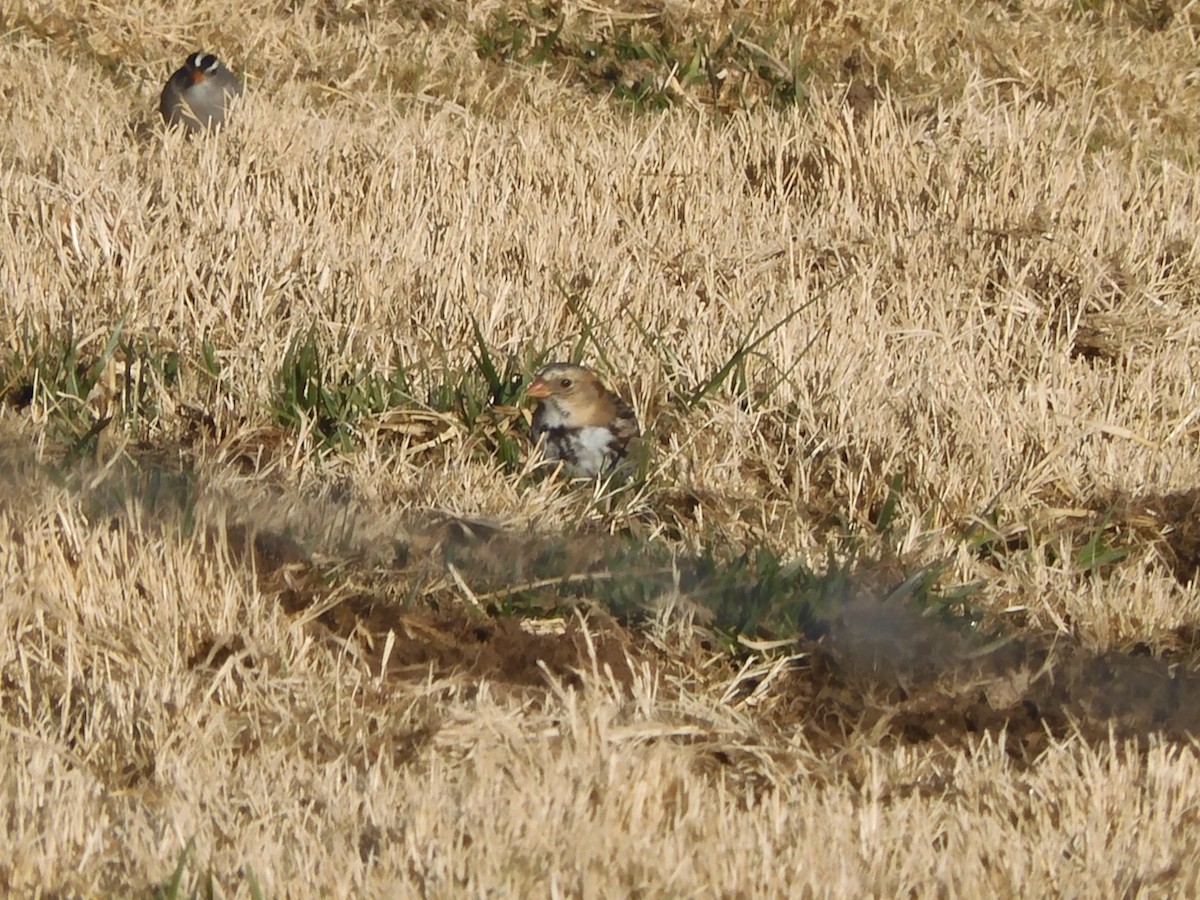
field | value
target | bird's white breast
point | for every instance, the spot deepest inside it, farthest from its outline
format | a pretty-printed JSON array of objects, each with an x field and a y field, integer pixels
[{"x": 592, "y": 449}]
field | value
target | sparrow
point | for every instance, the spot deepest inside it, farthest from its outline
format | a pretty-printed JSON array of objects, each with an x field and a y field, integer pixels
[
  {"x": 579, "y": 421},
  {"x": 197, "y": 93}
]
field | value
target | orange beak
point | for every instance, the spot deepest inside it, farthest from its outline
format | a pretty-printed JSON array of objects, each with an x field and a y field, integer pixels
[
  {"x": 538, "y": 389},
  {"x": 197, "y": 76}
]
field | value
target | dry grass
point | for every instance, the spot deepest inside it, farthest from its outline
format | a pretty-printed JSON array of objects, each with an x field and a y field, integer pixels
[{"x": 905, "y": 294}]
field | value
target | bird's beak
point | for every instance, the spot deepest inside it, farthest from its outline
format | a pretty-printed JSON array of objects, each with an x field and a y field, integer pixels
[
  {"x": 538, "y": 389},
  {"x": 197, "y": 76}
]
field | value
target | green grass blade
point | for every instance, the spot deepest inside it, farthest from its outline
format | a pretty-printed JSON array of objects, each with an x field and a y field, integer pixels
[
  {"x": 735, "y": 360},
  {"x": 256, "y": 891},
  {"x": 170, "y": 891},
  {"x": 97, "y": 368}
]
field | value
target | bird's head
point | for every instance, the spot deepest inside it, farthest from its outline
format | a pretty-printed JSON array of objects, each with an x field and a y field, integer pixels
[
  {"x": 574, "y": 391},
  {"x": 201, "y": 66}
]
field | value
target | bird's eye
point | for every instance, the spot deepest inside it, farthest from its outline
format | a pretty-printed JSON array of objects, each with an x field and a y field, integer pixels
[{"x": 565, "y": 383}]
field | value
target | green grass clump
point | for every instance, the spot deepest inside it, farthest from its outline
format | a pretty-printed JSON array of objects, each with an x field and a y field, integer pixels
[
  {"x": 650, "y": 63},
  {"x": 82, "y": 393},
  {"x": 312, "y": 390}
]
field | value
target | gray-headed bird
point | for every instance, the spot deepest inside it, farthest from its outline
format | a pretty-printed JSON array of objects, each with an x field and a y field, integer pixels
[{"x": 196, "y": 94}]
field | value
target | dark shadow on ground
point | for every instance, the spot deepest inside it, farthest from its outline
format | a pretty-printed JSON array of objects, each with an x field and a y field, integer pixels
[
  {"x": 887, "y": 667},
  {"x": 868, "y": 650}
]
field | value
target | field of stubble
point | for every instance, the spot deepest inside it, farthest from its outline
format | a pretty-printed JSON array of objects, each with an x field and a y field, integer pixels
[{"x": 900, "y": 597}]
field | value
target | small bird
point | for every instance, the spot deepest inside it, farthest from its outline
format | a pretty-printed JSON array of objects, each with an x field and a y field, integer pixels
[
  {"x": 197, "y": 93},
  {"x": 579, "y": 421}
]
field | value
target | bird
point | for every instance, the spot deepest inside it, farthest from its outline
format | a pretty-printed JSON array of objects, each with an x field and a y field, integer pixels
[
  {"x": 197, "y": 93},
  {"x": 578, "y": 421}
]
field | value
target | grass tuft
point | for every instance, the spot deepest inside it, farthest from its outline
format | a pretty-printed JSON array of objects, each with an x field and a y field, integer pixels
[
  {"x": 313, "y": 391},
  {"x": 650, "y": 63}
]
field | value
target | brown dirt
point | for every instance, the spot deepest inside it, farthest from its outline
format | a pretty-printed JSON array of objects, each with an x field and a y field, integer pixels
[{"x": 430, "y": 641}]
